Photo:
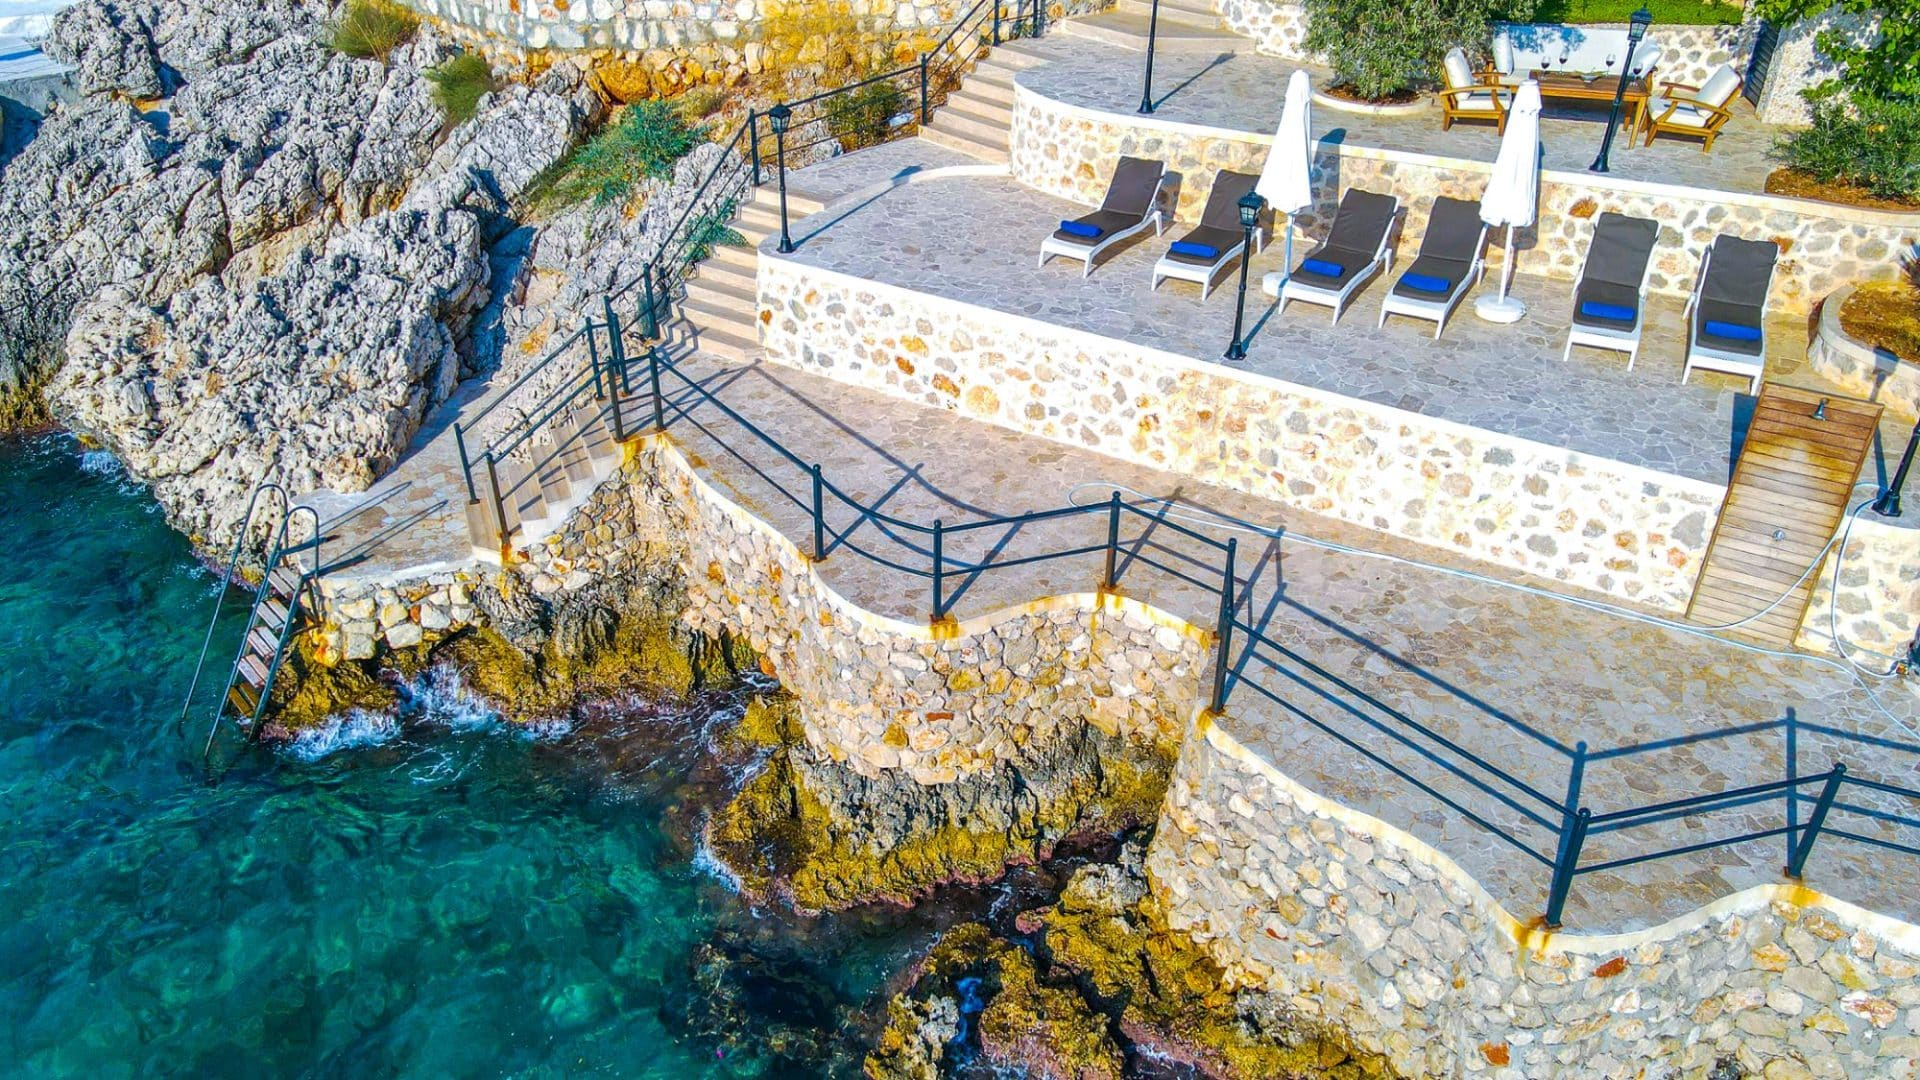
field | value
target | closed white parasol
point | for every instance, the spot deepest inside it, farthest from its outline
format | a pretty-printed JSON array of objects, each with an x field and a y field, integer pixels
[
  {"x": 1286, "y": 182},
  {"x": 1513, "y": 194}
]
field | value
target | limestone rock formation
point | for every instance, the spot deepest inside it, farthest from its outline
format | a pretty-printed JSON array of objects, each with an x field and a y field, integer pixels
[{"x": 268, "y": 268}]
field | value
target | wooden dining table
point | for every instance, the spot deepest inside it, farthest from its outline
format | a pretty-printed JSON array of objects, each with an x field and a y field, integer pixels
[{"x": 1571, "y": 86}]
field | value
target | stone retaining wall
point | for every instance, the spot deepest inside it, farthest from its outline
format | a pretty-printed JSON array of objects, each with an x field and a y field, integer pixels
[
  {"x": 1069, "y": 151},
  {"x": 1362, "y": 925},
  {"x": 1878, "y": 606},
  {"x": 939, "y": 702},
  {"x": 1567, "y": 517},
  {"x": 1874, "y": 374}
]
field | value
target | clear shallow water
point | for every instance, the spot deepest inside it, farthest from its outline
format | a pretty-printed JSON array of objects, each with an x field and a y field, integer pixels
[{"x": 431, "y": 896}]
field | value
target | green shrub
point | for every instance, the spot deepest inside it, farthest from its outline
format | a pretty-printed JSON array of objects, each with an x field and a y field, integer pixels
[
  {"x": 1383, "y": 48},
  {"x": 1885, "y": 67},
  {"x": 710, "y": 230},
  {"x": 1871, "y": 144},
  {"x": 642, "y": 143},
  {"x": 370, "y": 29},
  {"x": 1665, "y": 12},
  {"x": 864, "y": 117},
  {"x": 459, "y": 84}
]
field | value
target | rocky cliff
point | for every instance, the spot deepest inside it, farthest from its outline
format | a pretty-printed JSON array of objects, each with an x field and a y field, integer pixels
[{"x": 243, "y": 255}]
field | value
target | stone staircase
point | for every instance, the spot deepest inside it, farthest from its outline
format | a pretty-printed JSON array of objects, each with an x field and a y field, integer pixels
[
  {"x": 1185, "y": 26},
  {"x": 718, "y": 312},
  {"x": 977, "y": 117}
]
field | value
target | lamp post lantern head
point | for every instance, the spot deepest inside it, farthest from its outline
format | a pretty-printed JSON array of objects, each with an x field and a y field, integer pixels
[
  {"x": 780, "y": 116},
  {"x": 1250, "y": 206},
  {"x": 1637, "y": 24}
]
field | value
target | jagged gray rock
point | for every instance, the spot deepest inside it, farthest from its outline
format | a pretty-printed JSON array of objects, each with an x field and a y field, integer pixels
[
  {"x": 317, "y": 375},
  {"x": 141, "y": 48}
]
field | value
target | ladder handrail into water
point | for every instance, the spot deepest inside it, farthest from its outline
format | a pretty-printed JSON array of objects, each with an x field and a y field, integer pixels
[
  {"x": 226, "y": 582},
  {"x": 281, "y": 552}
]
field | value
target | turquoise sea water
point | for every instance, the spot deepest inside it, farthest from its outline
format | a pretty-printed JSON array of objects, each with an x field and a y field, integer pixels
[{"x": 444, "y": 897}]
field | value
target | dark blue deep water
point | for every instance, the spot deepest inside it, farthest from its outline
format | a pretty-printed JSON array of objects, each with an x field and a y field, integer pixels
[{"x": 440, "y": 896}]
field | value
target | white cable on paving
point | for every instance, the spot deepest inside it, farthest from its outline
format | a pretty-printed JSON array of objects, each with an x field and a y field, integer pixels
[{"x": 1203, "y": 516}]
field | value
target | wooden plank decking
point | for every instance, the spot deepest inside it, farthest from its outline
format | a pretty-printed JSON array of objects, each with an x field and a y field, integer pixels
[{"x": 1790, "y": 492}]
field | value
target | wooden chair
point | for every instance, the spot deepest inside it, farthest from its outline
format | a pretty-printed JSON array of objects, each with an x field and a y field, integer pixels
[
  {"x": 1700, "y": 111},
  {"x": 1467, "y": 98}
]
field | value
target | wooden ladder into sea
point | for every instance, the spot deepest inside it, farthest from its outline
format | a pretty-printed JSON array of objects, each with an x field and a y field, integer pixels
[{"x": 1790, "y": 493}]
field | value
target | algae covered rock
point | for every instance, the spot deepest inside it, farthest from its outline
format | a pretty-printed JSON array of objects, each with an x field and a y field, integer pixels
[
  {"x": 826, "y": 838},
  {"x": 1045, "y": 1031}
]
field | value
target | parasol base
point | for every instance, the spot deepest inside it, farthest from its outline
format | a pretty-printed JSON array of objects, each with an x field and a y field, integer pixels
[
  {"x": 1497, "y": 309},
  {"x": 1273, "y": 281}
]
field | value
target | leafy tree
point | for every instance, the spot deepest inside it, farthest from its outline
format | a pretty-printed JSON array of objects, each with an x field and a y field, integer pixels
[
  {"x": 1381, "y": 48},
  {"x": 1887, "y": 69}
]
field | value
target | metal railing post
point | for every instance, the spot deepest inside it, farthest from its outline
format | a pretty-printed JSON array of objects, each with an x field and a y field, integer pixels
[
  {"x": 939, "y": 558},
  {"x": 593, "y": 360},
  {"x": 650, "y": 315},
  {"x": 653, "y": 370},
  {"x": 616, "y": 349},
  {"x": 926, "y": 109},
  {"x": 1039, "y": 17},
  {"x": 1223, "y": 630},
  {"x": 1797, "y": 865},
  {"x": 1146, "y": 85},
  {"x": 819, "y": 515},
  {"x": 1556, "y": 888},
  {"x": 466, "y": 466},
  {"x": 753, "y": 145},
  {"x": 1573, "y": 836},
  {"x": 1112, "y": 578},
  {"x": 996, "y": 22},
  {"x": 499, "y": 504}
]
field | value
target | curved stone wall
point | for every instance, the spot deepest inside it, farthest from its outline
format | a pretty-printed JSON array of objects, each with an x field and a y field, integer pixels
[
  {"x": 1364, "y": 926},
  {"x": 1067, "y": 150}
]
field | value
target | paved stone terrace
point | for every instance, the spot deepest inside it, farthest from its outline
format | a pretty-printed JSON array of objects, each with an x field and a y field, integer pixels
[
  {"x": 976, "y": 239},
  {"x": 1244, "y": 92},
  {"x": 1475, "y": 661}
]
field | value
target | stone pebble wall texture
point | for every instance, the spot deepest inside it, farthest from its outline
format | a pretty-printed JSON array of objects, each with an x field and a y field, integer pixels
[
  {"x": 1567, "y": 517},
  {"x": 1878, "y": 601},
  {"x": 1859, "y": 368},
  {"x": 1365, "y": 927},
  {"x": 1069, "y": 151}
]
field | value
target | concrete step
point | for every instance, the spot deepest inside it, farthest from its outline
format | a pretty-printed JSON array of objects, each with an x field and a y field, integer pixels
[
  {"x": 723, "y": 342},
  {"x": 995, "y": 89},
  {"x": 1017, "y": 55},
  {"x": 799, "y": 203},
  {"x": 727, "y": 273},
  {"x": 1129, "y": 31},
  {"x": 721, "y": 314},
  {"x": 1198, "y": 13},
  {"x": 991, "y": 152},
  {"x": 722, "y": 292},
  {"x": 984, "y": 129},
  {"x": 985, "y": 110}
]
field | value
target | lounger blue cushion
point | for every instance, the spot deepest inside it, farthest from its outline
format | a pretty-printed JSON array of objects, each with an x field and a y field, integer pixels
[
  {"x": 1080, "y": 228},
  {"x": 1426, "y": 282},
  {"x": 1733, "y": 331},
  {"x": 1198, "y": 251},
  {"x": 1322, "y": 266},
  {"x": 1595, "y": 310}
]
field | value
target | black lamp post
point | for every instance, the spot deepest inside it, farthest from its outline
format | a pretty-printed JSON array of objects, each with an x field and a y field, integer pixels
[
  {"x": 1250, "y": 206},
  {"x": 1888, "y": 504},
  {"x": 780, "y": 116},
  {"x": 1146, "y": 87},
  {"x": 1637, "y": 24}
]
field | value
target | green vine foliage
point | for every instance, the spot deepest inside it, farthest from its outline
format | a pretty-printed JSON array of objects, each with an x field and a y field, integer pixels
[
  {"x": 642, "y": 144},
  {"x": 1383, "y": 48},
  {"x": 1886, "y": 68}
]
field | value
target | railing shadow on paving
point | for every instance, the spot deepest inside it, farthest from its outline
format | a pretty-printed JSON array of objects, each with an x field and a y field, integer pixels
[{"x": 1559, "y": 829}]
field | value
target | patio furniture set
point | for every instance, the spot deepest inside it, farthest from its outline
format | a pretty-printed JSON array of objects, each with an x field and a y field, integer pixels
[
  {"x": 1577, "y": 64},
  {"x": 1725, "y": 312}
]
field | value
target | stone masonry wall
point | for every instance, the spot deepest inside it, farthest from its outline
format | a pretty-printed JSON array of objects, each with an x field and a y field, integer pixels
[
  {"x": 1878, "y": 606},
  {"x": 1567, "y": 517},
  {"x": 1364, "y": 926},
  {"x": 1068, "y": 151},
  {"x": 939, "y": 702}
]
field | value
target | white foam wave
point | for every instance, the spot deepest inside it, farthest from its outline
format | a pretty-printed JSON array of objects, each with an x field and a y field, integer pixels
[{"x": 353, "y": 729}]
